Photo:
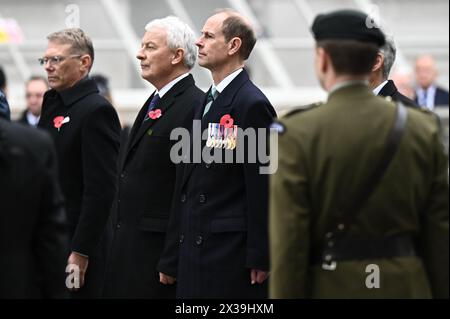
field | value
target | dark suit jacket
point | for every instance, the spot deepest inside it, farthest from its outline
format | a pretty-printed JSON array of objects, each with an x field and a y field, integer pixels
[
  {"x": 440, "y": 97},
  {"x": 4, "y": 107},
  {"x": 224, "y": 208},
  {"x": 144, "y": 199},
  {"x": 391, "y": 90},
  {"x": 33, "y": 238},
  {"x": 87, "y": 148},
  {"x": 23, "y": 118}
]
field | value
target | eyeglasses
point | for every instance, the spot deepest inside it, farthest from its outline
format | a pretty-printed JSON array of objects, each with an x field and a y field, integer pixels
[{"x": 55, "y": 60}]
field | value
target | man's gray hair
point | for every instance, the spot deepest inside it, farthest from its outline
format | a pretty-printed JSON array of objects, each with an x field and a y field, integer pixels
[
  {"x": 79, "y": 41},
  {"x": 179, "y": 35},
  {"x": 388, "y": 50}
]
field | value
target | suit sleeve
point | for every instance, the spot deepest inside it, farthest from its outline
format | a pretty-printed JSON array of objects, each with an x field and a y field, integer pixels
[
  {"x": 435, "y": 232},
  {"x": 168, "y": 262},
  {"x": 52, "y": 241},
  {"x": 289, "y": 221},
  {"x": 259, "y": 115},
  {"x": 100, "y": 148}
]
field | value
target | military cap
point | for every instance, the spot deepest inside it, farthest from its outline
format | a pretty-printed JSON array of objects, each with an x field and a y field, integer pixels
[{"x": 347, "y": 25}]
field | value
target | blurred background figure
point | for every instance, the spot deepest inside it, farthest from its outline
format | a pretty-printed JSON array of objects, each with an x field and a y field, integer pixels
[
  {"x": 35, "y": 88},
  {"x": 33, "y": 238},
  {"x": 4, "y": 106},
  {"x": 104, "y": 90},
  {"x": 103, "y": 86},
  {"x": 404, "y": 83},
  {"x": 428, "y": 93}
]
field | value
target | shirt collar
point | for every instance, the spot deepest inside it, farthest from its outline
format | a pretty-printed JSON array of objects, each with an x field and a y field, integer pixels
[
  {"x": 32, "y": 120},
  {"x": 377, "y": 90},
  {"x": 224, "y": 83},
  {"x": 169, "y": 85}
]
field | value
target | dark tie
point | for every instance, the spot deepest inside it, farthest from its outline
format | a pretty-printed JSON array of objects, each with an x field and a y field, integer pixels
[
  {"x": 152, "y": 105},
  {"x": 212, "y": 95}
]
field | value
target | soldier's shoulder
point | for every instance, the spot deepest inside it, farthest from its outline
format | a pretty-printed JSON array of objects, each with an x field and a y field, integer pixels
[
  {"x": 282, "y": 124},
  {"x": 296, "y": 111}
]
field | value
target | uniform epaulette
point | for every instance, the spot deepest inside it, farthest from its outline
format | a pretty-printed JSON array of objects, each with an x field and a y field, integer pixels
[
  {"x": 280, "y": 128},
  {"x": 302, "y": 109},
  {"x": 425, "y": 110}
]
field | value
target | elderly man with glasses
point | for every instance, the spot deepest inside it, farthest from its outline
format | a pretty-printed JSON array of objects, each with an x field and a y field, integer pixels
[{"x": 85, "y": 129}]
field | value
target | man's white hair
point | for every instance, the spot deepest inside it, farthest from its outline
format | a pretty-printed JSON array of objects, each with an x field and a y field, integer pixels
[
  {"x": 389, "y": 51},
  {"x": 179, "y": 35}
]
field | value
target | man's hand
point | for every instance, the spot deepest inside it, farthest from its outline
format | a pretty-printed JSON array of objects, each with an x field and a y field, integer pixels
[
  {"x": 166, "y": 279},
  {"x": 81, "y": 262},
  {"x": 258, "y": 276}
]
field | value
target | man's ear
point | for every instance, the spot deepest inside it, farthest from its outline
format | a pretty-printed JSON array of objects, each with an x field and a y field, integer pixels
[
  {"x": 86, "y": 62},
  {"x": 234, "y": 45},
  {"x": 178, "y": 56},
  {"x": 321, "y": 60},
  {"x": 379, "y": 61}
]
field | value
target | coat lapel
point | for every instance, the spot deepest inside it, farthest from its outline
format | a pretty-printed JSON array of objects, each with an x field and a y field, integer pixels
[
  {"x": 389, "y": 89},
  {"x": 140, "y": 128}
]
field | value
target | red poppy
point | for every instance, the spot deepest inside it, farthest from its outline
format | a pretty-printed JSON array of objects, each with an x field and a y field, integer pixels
[
  {"x": 155, "y": 114},
  {"x": 57, "y": 121},
  {"x": 227, "y": 121},
  {"x": 60, "y": 120}
]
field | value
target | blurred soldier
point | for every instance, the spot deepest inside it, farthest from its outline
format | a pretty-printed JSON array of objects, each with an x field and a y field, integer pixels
[
  {"x": 359, "y": 204},
  {"x": 85, "y": 128},
  {"x": 428, "y": 93},
  {"x": 137, "y": 261},
  {"x": 33, "y": 238},
  {"x": 35, "y": 89},
  {"x": 378, "y": 79}
]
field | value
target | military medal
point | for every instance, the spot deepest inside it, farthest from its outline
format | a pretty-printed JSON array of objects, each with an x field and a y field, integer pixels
[
  {"x": 216, "y": 134},
  {"x": 209, "y": 142},
  {"x": 222, "y": 134}
]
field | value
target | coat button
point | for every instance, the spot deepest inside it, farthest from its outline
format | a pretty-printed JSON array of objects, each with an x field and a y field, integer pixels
[
  {"x": 119, "y": 224},
  {"x": 181, "y": 238},
  {"x": 122, "y": 175},
  {"x": 202, "y": 198},
  {"x": 183, "y": 198},
  {"x": 199, "y": 240}
]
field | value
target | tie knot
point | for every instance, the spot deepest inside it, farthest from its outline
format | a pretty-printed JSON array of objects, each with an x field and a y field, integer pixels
[
  {"x": 212, "y": 95},
  {"x": 153, "y": 102}
]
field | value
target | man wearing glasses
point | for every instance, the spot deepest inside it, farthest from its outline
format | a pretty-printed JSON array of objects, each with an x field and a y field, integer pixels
[{"x": 85, "y": 129}]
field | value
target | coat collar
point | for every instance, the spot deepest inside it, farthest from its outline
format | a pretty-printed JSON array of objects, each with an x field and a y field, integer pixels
[
  {"x": 81, "y": 89},
  {"x": 224, "y": 99},
  {"x": 389, "y": 89},
  {"x": 139, "y": 128}
]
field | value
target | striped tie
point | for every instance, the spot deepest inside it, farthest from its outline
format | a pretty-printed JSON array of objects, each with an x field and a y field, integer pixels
[{"x": 212, "y": 95}]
